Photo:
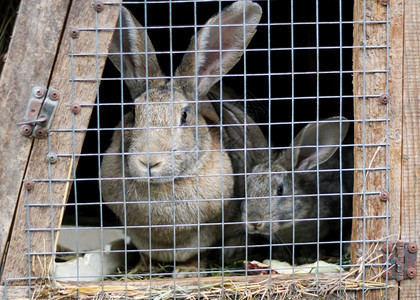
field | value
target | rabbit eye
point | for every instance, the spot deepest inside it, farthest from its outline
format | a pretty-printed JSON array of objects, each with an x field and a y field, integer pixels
[
  {"x": 280, "y": 190},
  {"x": 184, "y": 117}
]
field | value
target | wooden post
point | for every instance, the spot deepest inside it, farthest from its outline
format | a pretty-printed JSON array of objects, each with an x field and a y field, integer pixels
[
  {"x": 410, "y": 185},
  {"x": 403, "y": 129},
  {"x": 367, "y": 81},
  {"x": 44, "y": 218},
  {"x": 30, "y": 59}
]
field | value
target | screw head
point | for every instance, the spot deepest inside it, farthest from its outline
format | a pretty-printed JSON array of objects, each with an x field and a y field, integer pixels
[
  {"x": 384, "y": 98},
  {"x": 98, "y": 5},
  {"x": 38, "y": 92},
  {"x": 75, "y": 108},
  {"x": 387, "y": 274},
  {"x": 26, "y": 130},
  {"x": 51, "y": 158},
  {"x": 41, "y": 133},
  {"x": 384, "y": 2},
  {"x": 74, "y": 32},
  {"x": 54, "y": 95},
  {"x": 411, "y": 272},
  {"x": 384, "y": 196},
  {"x": 400, "y": 245},
  {"x": 28, "y": 184},
  {"x": 387, "y": 248},
  {"x": 412, "y": 247}
]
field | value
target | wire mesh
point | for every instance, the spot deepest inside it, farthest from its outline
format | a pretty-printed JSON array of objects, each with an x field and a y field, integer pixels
[{"x": 222, "y": 158}]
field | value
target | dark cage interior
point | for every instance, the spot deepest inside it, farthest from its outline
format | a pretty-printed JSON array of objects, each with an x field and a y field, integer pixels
[{"x": 298, "y": 69}]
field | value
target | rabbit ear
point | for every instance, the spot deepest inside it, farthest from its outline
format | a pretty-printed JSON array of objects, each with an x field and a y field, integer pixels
[
  {"x": 328, "y": 134},
  {"x": 135, "y": 56},
  {"x": 214, "y": 57}
]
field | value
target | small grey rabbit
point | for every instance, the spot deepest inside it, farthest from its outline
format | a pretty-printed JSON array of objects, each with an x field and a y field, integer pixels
[
  {"x": 175, "y": 169},
  {"x": 289, "y": 213},
  {"x": 240, "y": 128}
]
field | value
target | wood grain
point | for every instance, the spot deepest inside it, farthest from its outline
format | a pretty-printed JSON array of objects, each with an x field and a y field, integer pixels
[
  {"x": 410, "y": 196},
  {"x": 35, "y": 207},
  {"x": 29, "y": 62},
  {"x": 367, "y": 109},
  {"x": 250, "y": 287}
]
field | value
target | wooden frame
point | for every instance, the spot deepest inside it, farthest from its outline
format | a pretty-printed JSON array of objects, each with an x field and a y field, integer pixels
[
  {"x": 52, "y": 65},
  {"x": 402, "y": 85},
  {"x": 44, "y": 61}
]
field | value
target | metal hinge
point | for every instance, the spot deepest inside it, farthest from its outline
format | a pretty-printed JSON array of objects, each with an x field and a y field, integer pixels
[
  {"x": 400, "y": 259},
  {"x": 40, "y": 112}
]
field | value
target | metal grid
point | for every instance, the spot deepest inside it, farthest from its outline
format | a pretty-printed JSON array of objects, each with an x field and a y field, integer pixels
[{"x": 280, "y": 113}]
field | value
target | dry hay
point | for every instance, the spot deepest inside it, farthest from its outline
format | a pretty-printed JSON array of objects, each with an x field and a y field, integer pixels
[{"x": 366, "y": 276}]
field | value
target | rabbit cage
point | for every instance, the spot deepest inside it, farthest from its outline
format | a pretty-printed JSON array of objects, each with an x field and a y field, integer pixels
[{"x": 226, "y": 149}]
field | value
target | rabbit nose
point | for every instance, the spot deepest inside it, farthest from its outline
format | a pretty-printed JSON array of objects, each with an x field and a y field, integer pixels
[
  {"x": 154, "y": 165},
  {"x": 151, "y": 165},
  {"x": 254, "y": 227}
]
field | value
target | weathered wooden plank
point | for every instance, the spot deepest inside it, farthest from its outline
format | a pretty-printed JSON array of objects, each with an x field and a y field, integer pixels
[
  {"x": 366, "y": 108},
  {"x": 241, "y": 287},
  {"x": 410, "y": 197},
  {"x": 16, "y": 292},
  {"x": 29, "y": 62},
  {"x": 49, "y": 187}
]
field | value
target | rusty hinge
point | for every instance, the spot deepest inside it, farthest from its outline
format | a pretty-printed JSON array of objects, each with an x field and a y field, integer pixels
[
  {"x": 40, "y": 112},
  {"x": 401, "y": 262}
]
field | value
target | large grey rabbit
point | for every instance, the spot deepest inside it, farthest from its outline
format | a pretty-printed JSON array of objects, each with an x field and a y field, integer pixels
[
  {"x": 175, "y": 169},
  {"x": 289, "y": 214}
]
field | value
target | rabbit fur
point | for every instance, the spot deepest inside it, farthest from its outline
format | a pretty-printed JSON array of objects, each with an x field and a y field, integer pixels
[
  {"x": 169, "y": 162},
  {"x": 241, "y": 128},
  {"x": 282, "y": 208},
  {"x": 247, "y": 145}
]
